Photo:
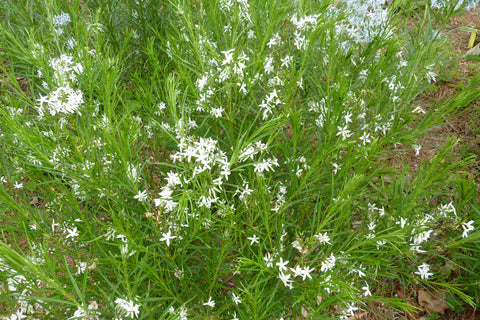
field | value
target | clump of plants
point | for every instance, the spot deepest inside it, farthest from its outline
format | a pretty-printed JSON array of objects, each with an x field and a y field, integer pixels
[{"x": 225, "y": 159}]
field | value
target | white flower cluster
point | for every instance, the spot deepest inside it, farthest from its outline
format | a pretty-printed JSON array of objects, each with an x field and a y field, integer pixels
[
  {"x": 424, "y": 271},
  {"x": 200, "y": 155},
  {"x": 229, "y": 67},
  {"x": 365, "y": 20},
  {"x": 204, "y": 154},
  {"x": 87, "y": 313},
  {"x": 180, "y": 314},
  {"x": 303, "y": 26},
  {"x": 227, "y": 6},
  {"x": 469, "y": 4},
  {"x": 467, "y": 227},
  {"x": 306, "y": 22},
  {"x": 265, "y": 165},
  {"x": 60, "y": 21},
  {"x": 18, "y": 287},
  {"x": 445, "y": 210},
  {"x": 63, "y": 99},
  {"x": 285, "y": 273},
  {"x": 65, "y": 69},
  {"x": 328, "y": 263},
  {"x": 349, "y": 311},
  {"x": 127, "y": 308},
  {"x": 320, "y": 108},
  {"x": 251, "y": 150},
  {"x": 133, "y": 172},
  {"x": 279, "y": 198},
  {"x": 269, "y": 102},
  {"x": 288, "y": 274}
]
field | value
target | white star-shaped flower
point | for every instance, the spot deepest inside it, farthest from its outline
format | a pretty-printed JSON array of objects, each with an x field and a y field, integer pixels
[
  {"x": 167, "y": 237},
  {"x": 210, "y": 302},
  {"x": 282, "y": 265},
  {"x": 141, "y": 196},
  {"x": 236, "y": 299},
  {"x": 423, "y": 271},
  {"x": 253, "y": 239}
]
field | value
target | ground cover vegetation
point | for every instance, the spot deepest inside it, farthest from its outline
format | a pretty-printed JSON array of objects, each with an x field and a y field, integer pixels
[{"x": 228, "y": 159}]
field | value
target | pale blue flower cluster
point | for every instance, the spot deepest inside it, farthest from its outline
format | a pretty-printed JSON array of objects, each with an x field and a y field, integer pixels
[
  {"x": 469, "y": 4},
  {"x": 366, "y": 20}
]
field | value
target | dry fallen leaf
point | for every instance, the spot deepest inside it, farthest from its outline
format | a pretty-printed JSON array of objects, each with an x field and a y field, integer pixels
[
  {"x": 305, "y": 312},
  {"x": 432, "y": 302},
  {"x": 356, "y": 224},
  {"x": 475, "y": 51},
  {"x": 35, "y": 201}
]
